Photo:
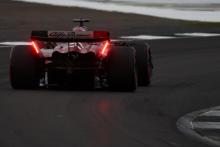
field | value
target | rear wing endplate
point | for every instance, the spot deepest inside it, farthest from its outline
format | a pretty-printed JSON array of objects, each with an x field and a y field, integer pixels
[{"x": 70, "y": 36}]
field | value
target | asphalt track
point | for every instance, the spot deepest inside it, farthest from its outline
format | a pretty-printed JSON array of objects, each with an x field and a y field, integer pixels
[{"x": 186, "y": 78}]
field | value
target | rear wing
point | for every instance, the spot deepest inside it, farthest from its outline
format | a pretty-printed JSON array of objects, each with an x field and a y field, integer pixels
[{"x": 70, "y": 36}]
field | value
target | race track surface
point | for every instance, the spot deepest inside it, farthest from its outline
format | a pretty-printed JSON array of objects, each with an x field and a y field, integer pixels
[{"x": 186, "y": 78}]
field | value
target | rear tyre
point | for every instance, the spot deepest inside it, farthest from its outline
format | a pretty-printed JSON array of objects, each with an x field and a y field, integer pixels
[
  {"x": 144, "y": 63},
  {"x": 24, "y": 67},
  {"x": 121, "y": 70}
]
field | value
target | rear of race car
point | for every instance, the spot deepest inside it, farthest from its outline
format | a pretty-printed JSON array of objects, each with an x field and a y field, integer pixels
[
  {"x": 73, "y": 59},
  {"x": 77, "y": 59}
]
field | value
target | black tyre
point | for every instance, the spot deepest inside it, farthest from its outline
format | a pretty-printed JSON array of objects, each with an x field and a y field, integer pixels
[
  {"x": 24, "y": 67},
  {"x": 143, "y": 63},
  {"x": 121, "y": 70}
]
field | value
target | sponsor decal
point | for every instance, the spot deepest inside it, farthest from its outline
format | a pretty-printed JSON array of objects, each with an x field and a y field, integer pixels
[{"x": 61, "y": 34}]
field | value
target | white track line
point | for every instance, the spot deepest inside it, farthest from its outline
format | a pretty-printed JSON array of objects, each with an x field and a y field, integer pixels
[
  {"x": 187, "y": 126},
  {"x": 206, "y": 125},
  {"x": 13, "y": 43},
  {"x": 171, "y": 13},
  {"x": 147, "y": 37},
  {"x": 170, "y": 1},
  {"x": 198, "y": 34},
  {"x": 212, "y": 113},
  {"x": 140, "y": 37}
]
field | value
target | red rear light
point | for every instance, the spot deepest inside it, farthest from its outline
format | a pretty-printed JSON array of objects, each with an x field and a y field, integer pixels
[
  {"x": 101, "y": 34},
  {"x": 36, "y": 48},
  {"x": 104, "y": 51}
]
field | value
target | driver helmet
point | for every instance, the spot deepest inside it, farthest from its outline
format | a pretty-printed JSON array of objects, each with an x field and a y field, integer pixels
[{"x": 79, "y": 29}]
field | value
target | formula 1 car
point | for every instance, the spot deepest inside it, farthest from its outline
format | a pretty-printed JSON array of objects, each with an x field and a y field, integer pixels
[{"x": 80, "y": 58}]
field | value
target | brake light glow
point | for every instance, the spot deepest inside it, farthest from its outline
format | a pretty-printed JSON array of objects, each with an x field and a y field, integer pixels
[
  {"x": 35, "y": 47},
  {"x": 105, "y": 49}
]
